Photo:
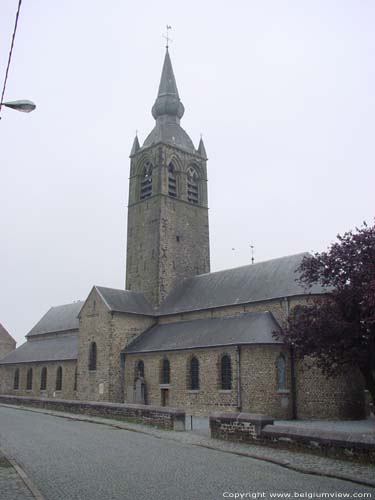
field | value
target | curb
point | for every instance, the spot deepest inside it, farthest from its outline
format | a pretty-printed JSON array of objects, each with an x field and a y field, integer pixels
[
  {"x": 297, "y": 468},
  {"x": 25, "y": 478},
  {"x": 275, "y": 461}
]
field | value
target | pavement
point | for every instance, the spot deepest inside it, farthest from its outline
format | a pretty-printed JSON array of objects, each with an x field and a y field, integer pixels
[
  {"x": 12, "y": 486},
  {"x": 359, "y": 474}
]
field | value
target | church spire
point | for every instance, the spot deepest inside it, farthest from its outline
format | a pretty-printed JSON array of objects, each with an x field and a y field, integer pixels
[
  {"x": 168, "y": 101},
  {"x": 201, "y": 149},
  {"x": 135, "y": 146}
]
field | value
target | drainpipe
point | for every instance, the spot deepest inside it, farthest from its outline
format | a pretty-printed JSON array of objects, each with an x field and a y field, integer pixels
[
  {"x": 122, "y": 377},
  {"x": 293, "y": 381},
  {"x": 238, "y": 363}
]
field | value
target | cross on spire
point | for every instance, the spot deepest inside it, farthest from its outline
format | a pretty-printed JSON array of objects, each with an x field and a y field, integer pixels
[{"x": 166, "y": 36}]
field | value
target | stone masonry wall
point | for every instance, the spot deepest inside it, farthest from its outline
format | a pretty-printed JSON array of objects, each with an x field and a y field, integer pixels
[
  {"x": 111, "y": 332},
  {"x": 258, "y": 429},
  {"x": 68, "y": 373},
  {"x": 163, "y": 231},
  {"x": 259, "y": 391},
  {"x": 7, "y": 344},
  {"x": 165, "y": 418},
  {"x": 208, "y": 398},
  {"x": 319, "y": 397},
  {"x": 316, "y": 396}
]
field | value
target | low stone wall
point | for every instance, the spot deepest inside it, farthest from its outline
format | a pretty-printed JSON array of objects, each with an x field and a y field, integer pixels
[
  {"x": 164, "y": 418},
  {"x": 245, "y": 427},
  {"x": 258, "y": 429}
]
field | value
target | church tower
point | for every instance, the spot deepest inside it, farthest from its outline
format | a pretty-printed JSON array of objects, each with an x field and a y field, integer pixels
[{"x": 168, "y": 236}]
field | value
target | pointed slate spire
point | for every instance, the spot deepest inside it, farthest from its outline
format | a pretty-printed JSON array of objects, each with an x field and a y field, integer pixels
[
  {"x": 168, "y": 101},
  {"x": 201, "y": 149},
  {"x": 135, "y": 146}
]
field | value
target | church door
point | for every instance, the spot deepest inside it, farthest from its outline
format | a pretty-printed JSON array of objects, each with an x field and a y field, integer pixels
[{"x": 164, "y": 397}]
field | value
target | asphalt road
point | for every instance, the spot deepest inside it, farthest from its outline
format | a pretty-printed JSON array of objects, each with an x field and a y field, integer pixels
[{"x": 79, "y": 460}]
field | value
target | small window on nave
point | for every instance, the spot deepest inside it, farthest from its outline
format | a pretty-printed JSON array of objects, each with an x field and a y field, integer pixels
[
  {"x": 16, "y": 380},
  {"x": 281, "y": 373},
  {"x": 194, "y": 374},
  {"x": 59, "y": 379},
  {"x": 140, "y": 369},
  {"x": 43, "y": 379},
  {"x": 165, "y": 371},
  {"x": 29, "y": 379},
  {"x": 192, "y": 185},
  {"x": 146, "y": 181},
  {"x": 226, "y": 373},
  {"x": 92, "y": 357}
]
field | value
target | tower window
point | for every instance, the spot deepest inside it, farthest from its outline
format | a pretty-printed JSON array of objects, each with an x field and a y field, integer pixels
[
  {"x": 172, "y": 181},
  {"x": 16, "y": 380},
  {"x": 59, "y": 379},
  {"x": 194, "y": 374},
  {"x": 146, "y": 181},
  {"x": 92, "y": 357},
  {"x": 226, "y": 373},
  {"x": 29, "y": 379},
  {"x": 192, "y": 185},
  {"x": 43, "y": 379}
]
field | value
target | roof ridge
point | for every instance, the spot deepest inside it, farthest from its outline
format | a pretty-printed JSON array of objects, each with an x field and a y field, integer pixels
[
  {"x": 245, "y": 265},
  {"x": 63, "y": 305},
  {"x": 118, "y": 289},
  {"x": 4, "y": 330},
  {"x": 231, "y": 316}
]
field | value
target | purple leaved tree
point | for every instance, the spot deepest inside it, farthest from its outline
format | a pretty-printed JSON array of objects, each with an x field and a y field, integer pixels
[{"x": 338, "y": 331}]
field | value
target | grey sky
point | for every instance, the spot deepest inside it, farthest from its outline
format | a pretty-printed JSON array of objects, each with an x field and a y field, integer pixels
[{"x": 283, "y": 92}]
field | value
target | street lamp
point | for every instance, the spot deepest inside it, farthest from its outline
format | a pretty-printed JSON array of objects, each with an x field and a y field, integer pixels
[{"x": 24, "y": 105}]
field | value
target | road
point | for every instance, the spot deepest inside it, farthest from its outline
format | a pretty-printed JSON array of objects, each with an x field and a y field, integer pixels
[{"x": 75, "y": 460}]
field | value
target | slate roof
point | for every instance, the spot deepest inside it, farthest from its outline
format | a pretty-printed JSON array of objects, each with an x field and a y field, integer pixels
[
  {"x": 5, "y": 334},
  {"x": 58, "y": 319},
  {"x": 248, "y": 328},
  {"x": 267, "y": 280},
  {"x": 167, "y": 111},
  {"x": 59, "y": 348},
  {"x": 125, "y": 301}
]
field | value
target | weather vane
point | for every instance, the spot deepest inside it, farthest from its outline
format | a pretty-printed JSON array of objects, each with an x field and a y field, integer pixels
[
  {"x": 252, "y": 254},
  {"x": 167, "y": 36}
]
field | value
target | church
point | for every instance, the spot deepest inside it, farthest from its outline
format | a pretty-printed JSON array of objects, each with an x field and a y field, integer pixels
[{"x": 179, "y": 335}]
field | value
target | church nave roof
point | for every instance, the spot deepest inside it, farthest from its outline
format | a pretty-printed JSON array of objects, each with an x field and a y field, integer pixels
[{"x": 247, "y": 328}]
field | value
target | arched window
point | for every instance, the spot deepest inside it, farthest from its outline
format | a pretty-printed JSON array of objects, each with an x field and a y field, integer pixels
[
  {"x": 146, "y": 181},
  {"x": 281, "y": 373},
  {"x": 194, "y": 374},
  {"x": 172, "y": 181},
  {"x": 192, "y": 185},
  {"x": 29, "y": 379},
  {"x": 43, "y": 379},
  {"x": 16, "y": 379},
  {"x": 75, "y": 379},
  {"x": 59, "y": 379},
  {"x": 92, "y": 357},
  {"x": 226, "y": 373},
  {"x": 165, "y": 371},
  {"x": 140, "y": 369}
]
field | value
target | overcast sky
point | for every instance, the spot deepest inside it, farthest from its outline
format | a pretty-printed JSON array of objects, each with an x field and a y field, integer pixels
[{"x": 282, "y": 91}]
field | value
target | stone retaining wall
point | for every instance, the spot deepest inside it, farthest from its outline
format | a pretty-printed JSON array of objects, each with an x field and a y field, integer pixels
[
  {"x": 258, "y": 429},
  {"x": 164, "y": 418}
]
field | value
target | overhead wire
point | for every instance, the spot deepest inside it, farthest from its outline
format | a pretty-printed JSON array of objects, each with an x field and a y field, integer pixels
[{"x": 10, "y": 54}]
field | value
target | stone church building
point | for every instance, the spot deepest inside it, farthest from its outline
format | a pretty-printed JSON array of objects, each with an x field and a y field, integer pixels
[{"x": 179, "y": 335}]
